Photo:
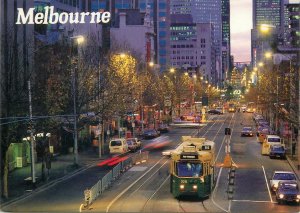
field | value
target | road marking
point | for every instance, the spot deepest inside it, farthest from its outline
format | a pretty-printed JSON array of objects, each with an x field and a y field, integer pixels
[
  {"x": 213, "y": 194},
  {"x": 267, "y": 183},
  {"x": 229, "y": 206},
  {"x": 252, "y": 201},
  {"x": 125, "y": 190},
  {"x": 223, "y": 141},
  {"x": 138, "y": 169}
]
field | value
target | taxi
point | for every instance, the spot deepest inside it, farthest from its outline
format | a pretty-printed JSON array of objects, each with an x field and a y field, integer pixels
[{"x": 269, "y": 141}]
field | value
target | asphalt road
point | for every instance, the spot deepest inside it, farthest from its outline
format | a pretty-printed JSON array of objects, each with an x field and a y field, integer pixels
[{"x": 145, "y": 188}]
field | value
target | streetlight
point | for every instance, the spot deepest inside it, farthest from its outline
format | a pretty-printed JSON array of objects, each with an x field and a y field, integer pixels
[
  {"x": 80, "y": 40},
  {"x": 268, "y": 55},
  {"x": 265, "y": 28},
  {"x": 151, "y": 64},
  {"x": 260, "y": 64},
  {"x": 172, "y": 70}
]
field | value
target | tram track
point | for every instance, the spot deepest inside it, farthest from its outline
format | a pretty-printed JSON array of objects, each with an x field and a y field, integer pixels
[
  {"x": 148, "y": 175},
  {"x": 179, "y": 201}
]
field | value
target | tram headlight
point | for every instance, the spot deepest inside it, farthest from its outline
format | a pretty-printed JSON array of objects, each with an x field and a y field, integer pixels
[
  {"x": 181, "y": 186},
  {"x": 298, "y": 196},
  {"x": 281, "y": 196},
  {"x": 195, "y": 187}
]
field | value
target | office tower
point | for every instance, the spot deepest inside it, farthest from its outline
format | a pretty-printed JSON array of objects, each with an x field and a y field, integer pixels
[
  {"x": 206, "y": 11},
  {"x": 181, "y": 6},
  {"x": 293, "y": 31},
  {"x": 191, "y": 45},
  {"x": 226, "y": 65},
  {"x": 17, "y": 53},
  {"x": 270, "y": 13}
]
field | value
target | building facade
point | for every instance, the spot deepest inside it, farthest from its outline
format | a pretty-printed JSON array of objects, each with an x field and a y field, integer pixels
[
  {"x": 160, "y": 17},
  {"x": 206, "y": 11},
  {"x": 191, "y": 46},
  {"x": 272, "y": 14},
  {"x": 226, "y": 65},
  {"x": 133, "y": 31},
  {"x": 17, "y": 54}
]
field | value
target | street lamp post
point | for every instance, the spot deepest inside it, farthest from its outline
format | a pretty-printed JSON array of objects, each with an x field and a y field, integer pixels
[{"x": 79, "y": 39}]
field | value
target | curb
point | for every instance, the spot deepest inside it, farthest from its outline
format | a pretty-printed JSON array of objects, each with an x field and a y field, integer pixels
[
  {"x": 293, "y": 167},
  {"x": 48, "y": 185}
]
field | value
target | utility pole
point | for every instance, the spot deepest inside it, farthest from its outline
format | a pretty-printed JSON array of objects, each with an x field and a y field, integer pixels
[{"x": 31, "y": 138}]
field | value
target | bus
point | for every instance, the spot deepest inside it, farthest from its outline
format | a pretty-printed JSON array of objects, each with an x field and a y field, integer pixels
[
  {"x": 192, "y": 168},
  {"x": 251, "y": 107}
]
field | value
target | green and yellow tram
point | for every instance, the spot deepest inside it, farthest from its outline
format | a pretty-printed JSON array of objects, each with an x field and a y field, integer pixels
[{"x": 192, "y": 168}]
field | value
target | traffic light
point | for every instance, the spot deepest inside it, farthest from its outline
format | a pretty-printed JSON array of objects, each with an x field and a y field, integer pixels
[
  {"x": 227, "y": 131},
  {"x": 204, "y": 101}
]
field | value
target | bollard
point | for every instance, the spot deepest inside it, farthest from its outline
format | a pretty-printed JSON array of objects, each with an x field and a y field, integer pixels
[
  {"x": 231, "y": 181},
  {"x": 230, "y": 196},
  {"x": 230, "y": 189}
]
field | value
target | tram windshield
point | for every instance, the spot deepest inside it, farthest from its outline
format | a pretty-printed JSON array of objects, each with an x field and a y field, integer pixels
[{"x": 188, "y": 169}]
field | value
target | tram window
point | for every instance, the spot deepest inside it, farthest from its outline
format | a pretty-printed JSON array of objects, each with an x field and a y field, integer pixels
[{"x": 187, "y": 169}]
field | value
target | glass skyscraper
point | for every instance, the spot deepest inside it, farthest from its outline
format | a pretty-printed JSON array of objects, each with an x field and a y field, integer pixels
[{"x": 226, "y": 65}]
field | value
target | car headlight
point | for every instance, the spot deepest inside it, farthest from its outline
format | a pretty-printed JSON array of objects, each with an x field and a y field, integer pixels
[
  {"x": 298, "y": 196},
  {"x": 181, "y": 186},
  {"x": 281, "y": 196},
  {"x": 195, "y": 187}
]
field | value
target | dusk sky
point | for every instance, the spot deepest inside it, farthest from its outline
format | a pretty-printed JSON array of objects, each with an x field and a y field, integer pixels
[{"x": 241, "y": 24}]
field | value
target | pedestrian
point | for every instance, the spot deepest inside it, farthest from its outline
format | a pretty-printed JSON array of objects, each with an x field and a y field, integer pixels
[{"x": 293, "y": 148}]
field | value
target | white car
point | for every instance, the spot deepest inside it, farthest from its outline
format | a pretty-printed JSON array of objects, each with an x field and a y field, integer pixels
[
  {"x": 281, "y": 176},
  {"x": 139, "y": 143}
]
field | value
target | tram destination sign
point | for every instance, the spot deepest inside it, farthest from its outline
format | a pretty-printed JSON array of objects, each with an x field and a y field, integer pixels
[{"x": 188, "y": 156}]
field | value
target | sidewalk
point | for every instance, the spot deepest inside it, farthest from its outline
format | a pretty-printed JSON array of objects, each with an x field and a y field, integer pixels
[
  {"x": 61, "y": 166},
  {"x": 294, "y": 164}
]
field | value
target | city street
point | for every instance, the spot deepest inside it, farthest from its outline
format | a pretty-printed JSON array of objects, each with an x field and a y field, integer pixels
[{"x": 145, "y": 187}]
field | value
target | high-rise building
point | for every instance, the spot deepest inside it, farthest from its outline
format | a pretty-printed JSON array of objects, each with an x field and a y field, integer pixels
[
  {"x": 17, "y": 58},
  {"x": 181, "y": 6},
  {"x": 272, "y": 14},
  {"x": 268, "y": 12},
  {"x": 205, "y": 11},
  {"x": 293, "y": 32},
  {"x": 226, "y": 65},
  {"x": 191, "y": 45},
  {"x": 160, "y": 15}
]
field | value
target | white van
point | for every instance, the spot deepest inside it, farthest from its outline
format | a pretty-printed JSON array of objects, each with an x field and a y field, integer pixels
[
  {"x": 270, "y": 140},
  {"x": 118, "y": 145}
]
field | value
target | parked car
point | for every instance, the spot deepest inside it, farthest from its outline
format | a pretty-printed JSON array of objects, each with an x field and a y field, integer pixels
[
  {"x": 281, "y": 176},
  {"x": 151, "y": 133},
  {"x": 287, "y": 192},
  {"x": 118, "y": 145},
  {"x": 277, "y": 151},
  {"x": 139, "y": 143},
  {"x": 214, "y": 112},
  {"x": 263, "y": 129},
  {"x": 247, "y": 131},
  {"x": 132, "y": 145},
  {"x": 163, "y": 128}
]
